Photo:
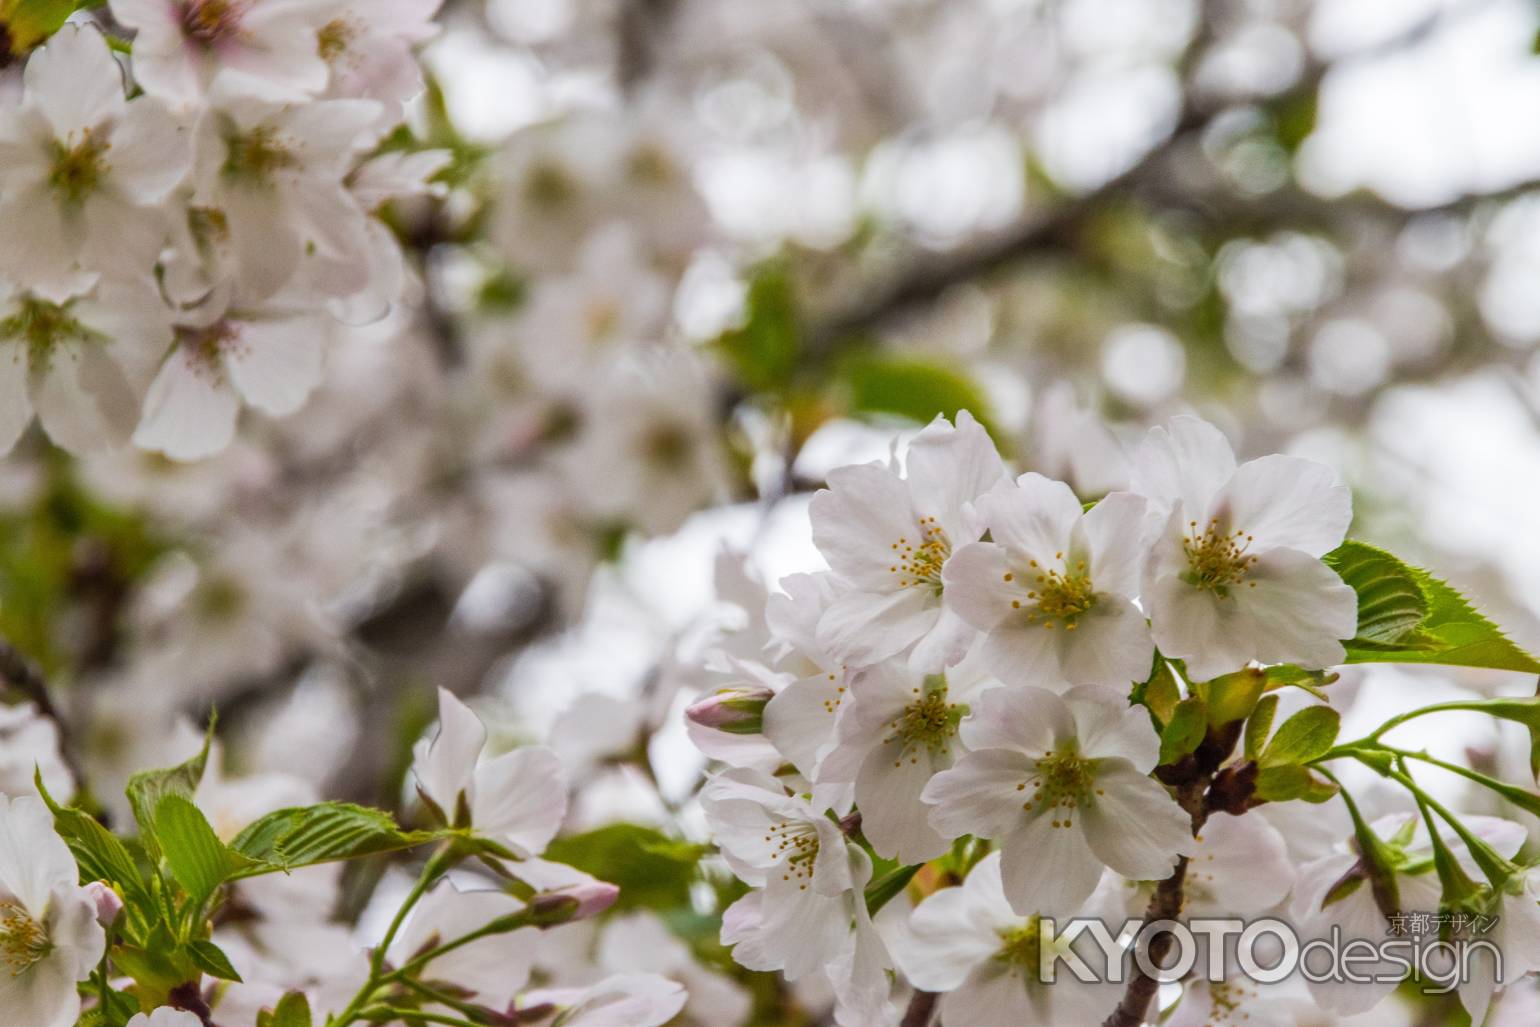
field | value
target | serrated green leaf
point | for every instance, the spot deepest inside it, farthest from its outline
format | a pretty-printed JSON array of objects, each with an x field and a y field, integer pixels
[
  {"x": 1391, "y": 602},
  {"x": 1185, "y": 731},
  {"x": 147, "y": 788},
  {"x": 1305, "y": 736},
  {"x": 211, "y": 959},
  {"x": 1447, "y": 629},
  {"x": 1260, "y": 725},
  {"x": 99, "y": 853},
  {"x": 198, "y": 860},
  {"x": 1292, "y": 781},
  {"x": 331, "y": 831}
]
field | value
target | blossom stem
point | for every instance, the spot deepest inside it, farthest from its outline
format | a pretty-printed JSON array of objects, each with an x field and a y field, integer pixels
[
  {"x": 442, "y": 999},
  {"x": 922, "y": 1009},
  {"x": 435, "y": 868},
  {"x": 415, "y": 1016}
]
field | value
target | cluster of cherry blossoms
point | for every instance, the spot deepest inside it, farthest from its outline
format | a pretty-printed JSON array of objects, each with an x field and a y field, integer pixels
[
  {"x": 984, "y": 682},
  {"x": 486, "y": 930},
  {"x": 188, "y": 226}
]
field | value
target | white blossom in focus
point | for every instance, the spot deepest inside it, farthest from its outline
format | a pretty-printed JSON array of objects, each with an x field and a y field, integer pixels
[
  {"x": 1054, "y": 589},
  {"x": 1235, "y": 574},
  {"x": 1061, "y": 783},
  {"x": 518, "y": 798},
  {"x": 967, "y": 943},
  {"x": 890, "y": 535}
]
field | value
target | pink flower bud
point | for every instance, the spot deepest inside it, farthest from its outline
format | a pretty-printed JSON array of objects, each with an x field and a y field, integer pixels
[
  {"x": 108, "y": 903},
  {"x": 594, "y": 897},
  {"x": 739, "y": 710}
]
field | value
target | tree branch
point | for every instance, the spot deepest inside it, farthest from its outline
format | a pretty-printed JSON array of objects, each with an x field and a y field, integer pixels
[
  {"x": 921, "y": 1009},
  {"x": 926, "y": 279},
  {"x": 24, "y": 676}
]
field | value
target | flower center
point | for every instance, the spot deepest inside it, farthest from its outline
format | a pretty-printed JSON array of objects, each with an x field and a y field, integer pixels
[
  {"x": 920, "y": 560},
  {"x": 928, "y": 722},
  {"x": 1022, "y": 946},
  {"x": 1216, "y": 560},
  {"x": 1060, "y": 596},
  {"x": 209, "y": 21},
  {"x": 796, "y": 845},
  {"x": 1228, "y": 999},
  {"x": 23, "y": 941},
  {"x": 77, "y": 170},
  {"x": 334, "y": 38},
  {"x": 256, "y": 154},
  {"x": 41, "y": 326},
  {"x": 1063, "y": 782}
]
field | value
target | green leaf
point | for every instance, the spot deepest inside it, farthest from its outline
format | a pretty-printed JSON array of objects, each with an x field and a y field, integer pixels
[
  {"x": 640, "y": 860},
  {"x": 1184, "y": 733},
  {"x": 1161, "y": 692},
  {"x": 98, "y": 852},
  {"x": 765, "y": 351},
  {"x": 1292, "y": 781},
  {"x": 913, "y": 388},
  {"x": 331, "y": 831},
  {"x": 198, "y": 860},
  {"x": 1405, "y": 615},
  {"x": 146, "y": 790},
  {"x": 881, "y": 891},
  {"x": 33, "y": 21},
  {"x": 1260, "y": 724},
  {"x": 1233, "y": 696},
  {"x": 1391, "y": 602},
  {"x": 211, "y": 959},
  {"x": 1303, "y": 737},
  {"x": 293, "y": 1010}
]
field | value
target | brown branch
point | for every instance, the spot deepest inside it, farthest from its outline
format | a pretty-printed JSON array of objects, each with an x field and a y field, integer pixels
[
  {"x": 926, "y": 279},
  {"x": 24, "y": 676},
  {"x": 922, "y": 1008}
]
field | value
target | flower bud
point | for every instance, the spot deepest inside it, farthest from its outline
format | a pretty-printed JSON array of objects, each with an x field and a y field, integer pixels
[
  {"x": 739, "y": 710},
  {"x": 108, "y": 903},
  {"x": 577, "y": 902},
  {"x": 593, "y": 897}
]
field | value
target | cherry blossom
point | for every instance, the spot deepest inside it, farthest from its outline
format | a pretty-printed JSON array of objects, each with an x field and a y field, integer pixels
[
  {"x": 84, "y": 172},
  {"x": 1061, "y": 783},
  {"x": 1054, "y": 590},
  {"x": 890, "y": 535},
  {"x": 518, "y": 798},
  {"x": 1235, "y": 574},
  {"x": 49, "y": 937},
  {"x": 967, "y": 943}
]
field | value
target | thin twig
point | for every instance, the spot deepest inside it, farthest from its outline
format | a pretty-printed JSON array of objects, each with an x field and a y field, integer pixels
[{"x": 22, "y": 675}]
